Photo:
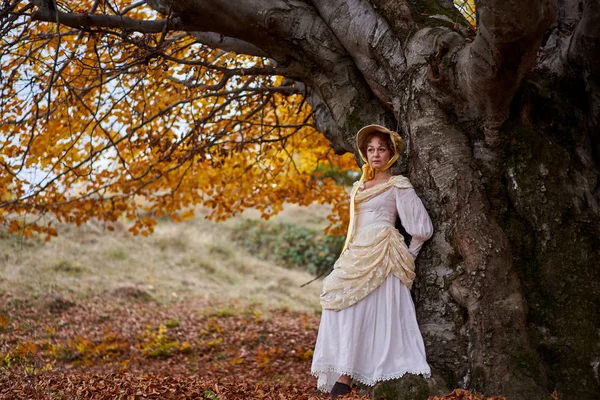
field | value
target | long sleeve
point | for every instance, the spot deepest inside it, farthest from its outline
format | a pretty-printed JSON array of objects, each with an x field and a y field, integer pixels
[{"x": 414, "y": 218}]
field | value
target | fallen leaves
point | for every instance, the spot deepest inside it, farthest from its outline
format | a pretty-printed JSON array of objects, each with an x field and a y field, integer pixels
[
  {"x": 3, "y": 321},
  {"x": 105, "y": 348},
  {"x": 244, "y": 353},
  {"x": 460, "y": 394}
]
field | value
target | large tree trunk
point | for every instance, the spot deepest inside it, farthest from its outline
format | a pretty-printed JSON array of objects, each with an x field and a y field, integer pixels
[{"x": 503, "y": 147}]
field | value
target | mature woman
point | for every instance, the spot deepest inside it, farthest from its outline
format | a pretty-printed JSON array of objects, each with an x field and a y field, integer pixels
[{"x": 368, "y": 331}]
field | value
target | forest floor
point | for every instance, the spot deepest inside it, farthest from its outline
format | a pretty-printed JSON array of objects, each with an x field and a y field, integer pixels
[{"x": 182, "y": 314}]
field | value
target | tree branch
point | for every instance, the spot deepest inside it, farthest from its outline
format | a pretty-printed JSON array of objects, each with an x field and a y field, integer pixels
[
  {"x": 558, "y": 54},
  {"x": 586, "y": 38},
  {"x": 584, "y": 50},
  {"x": 218, "y": 41},
  {"x": 132, "y": 6},
  {"x": 492, "y": 67},
  {"x": 290, "y": 32},
  {"x": 369, "y": 40},
  {"x": 109, "y": 21}
]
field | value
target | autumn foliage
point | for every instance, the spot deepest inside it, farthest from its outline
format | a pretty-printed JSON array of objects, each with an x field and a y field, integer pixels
[
  {"x": 467, "y": 9},
  {"x": 104, "y": 124}
]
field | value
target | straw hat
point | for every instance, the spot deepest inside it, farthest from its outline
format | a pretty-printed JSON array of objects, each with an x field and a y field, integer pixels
[{"x": 395, "y": 139}]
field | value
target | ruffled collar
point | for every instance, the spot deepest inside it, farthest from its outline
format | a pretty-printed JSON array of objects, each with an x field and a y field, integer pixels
[{"x": 369, "y": 193}]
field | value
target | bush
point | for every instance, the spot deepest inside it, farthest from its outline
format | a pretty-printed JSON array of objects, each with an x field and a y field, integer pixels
[
  {"x": 342, "y": 178},
  {"x": 289, "y": 244}
]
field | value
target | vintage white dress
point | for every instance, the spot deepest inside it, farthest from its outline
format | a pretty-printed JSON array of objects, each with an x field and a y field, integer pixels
[{"x": 368, "y": 328}]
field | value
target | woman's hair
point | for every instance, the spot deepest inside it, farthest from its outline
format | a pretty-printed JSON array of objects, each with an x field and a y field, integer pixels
[{"x": 382, "y": 136}]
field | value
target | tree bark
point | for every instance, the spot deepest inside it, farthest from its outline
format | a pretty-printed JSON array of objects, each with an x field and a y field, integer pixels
[{"x": 503, "y": 146}]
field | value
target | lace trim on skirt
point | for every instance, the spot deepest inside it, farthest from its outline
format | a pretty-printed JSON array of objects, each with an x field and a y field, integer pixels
[{"x": 323, "y": 369}]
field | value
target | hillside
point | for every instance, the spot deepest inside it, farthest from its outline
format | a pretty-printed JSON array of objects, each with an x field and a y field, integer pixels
[{"x": 192, "y": 260}]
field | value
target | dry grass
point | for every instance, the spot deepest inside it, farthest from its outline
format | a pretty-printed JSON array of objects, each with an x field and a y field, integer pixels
[{"x": 180, "y": 262}]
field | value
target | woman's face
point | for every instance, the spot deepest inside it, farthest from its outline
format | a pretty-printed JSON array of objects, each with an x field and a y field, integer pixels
[{"x": 378, "y": 154}]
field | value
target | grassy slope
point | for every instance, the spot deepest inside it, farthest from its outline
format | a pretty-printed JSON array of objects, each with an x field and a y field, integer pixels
[{"x": 181, "y": 261}]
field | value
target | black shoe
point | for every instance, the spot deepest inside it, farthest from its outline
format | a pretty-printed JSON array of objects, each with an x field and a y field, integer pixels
[{"x": 339, "y": 389}]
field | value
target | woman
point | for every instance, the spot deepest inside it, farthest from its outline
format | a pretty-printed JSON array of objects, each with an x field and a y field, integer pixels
[{"x": 368, "y": 329}]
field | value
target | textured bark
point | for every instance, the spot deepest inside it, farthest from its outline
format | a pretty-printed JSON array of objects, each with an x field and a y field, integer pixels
[{"x": 503, "y": 145}]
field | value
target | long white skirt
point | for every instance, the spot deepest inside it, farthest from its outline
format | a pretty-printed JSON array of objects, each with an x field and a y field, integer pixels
[{"x": 376, "y": 339}]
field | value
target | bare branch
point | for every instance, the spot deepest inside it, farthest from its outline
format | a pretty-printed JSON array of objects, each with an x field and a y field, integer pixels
[
  {"x": 132, "y": 6},
  {"x": 187, "y": 83},
  {"x": 271, "y": 89},
  {"x": 218, "y": 41},
  {"x": 110, "y": 21},
  {"x": 10, "y": 7},
  {"x": 234, "y": 71}
]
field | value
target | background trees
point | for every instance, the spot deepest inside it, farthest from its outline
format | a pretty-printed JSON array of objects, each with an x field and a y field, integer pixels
[{"x": 501, "y": 126}]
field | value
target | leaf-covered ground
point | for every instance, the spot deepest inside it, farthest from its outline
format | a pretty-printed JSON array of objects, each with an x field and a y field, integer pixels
[
  {"x": 131, "y": 348},
  {"x": 110, "y": 348}
]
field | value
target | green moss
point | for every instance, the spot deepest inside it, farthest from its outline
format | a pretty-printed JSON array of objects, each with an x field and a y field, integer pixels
[
  {"x": 421, "y": 11},
  {"x": 223, "y": 312},
  {"x": 386, "y": 392},
  {"x": 525, "y": 364},
  {"x": 551, "y": 233},
  {"x": 409, "y": 387},
  {"x": 67, "y": 267},
  {"x": 172, "y": 323},
  {"x": 354, "y": 120},
  {"x": 117, "y": 253}
]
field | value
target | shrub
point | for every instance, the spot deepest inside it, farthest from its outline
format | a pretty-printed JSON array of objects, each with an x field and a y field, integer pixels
[
  {"x": 289, "y": 244},
  {"x": 342, "y": 178}
]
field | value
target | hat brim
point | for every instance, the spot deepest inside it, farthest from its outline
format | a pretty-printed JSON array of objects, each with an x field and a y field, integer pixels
[{"x": 364, "y": 132}]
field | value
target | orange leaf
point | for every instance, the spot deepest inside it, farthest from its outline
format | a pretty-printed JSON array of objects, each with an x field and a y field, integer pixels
[
  {"x": 3, "y": 321},
  {"x": 27, "y": 348}
]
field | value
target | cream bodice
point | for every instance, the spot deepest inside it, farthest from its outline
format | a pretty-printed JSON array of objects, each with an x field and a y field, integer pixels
[{"x": 403, "y": 202}]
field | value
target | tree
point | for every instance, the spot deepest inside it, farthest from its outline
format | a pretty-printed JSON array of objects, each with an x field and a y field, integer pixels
[{"x": 502, "y": 129}]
